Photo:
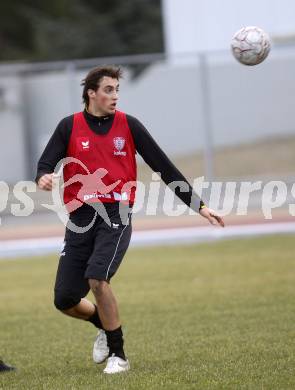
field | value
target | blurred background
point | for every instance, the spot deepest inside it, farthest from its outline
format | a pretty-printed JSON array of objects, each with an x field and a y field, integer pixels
[{"x": 213, "y": 116}]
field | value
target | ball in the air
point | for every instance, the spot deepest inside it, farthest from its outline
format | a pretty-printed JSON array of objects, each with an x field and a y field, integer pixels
[{"x": 250, "y": 45}]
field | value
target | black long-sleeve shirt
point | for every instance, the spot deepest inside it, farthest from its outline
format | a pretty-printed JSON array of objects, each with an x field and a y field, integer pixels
[{"x": 145, "y": 145}]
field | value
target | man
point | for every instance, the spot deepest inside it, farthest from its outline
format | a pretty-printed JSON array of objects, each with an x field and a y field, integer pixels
[{"x": 105, "y": 141}]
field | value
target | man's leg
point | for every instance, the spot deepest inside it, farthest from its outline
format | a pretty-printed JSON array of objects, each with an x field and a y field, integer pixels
[
  {"x": 83, "y": 310},
  {"x": 71, "y": 287},
  {"x": 106, "y": 303},
  {"x": 111, "y": 243},
  {"x": 70, "y": 303},
  {"x": 109, "y": 315}
]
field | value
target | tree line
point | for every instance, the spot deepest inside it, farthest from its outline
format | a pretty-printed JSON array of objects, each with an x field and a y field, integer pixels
[{"x": 33, "y": 30}]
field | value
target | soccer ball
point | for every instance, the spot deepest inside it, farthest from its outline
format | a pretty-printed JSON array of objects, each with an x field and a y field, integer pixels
[{"x": 250, "y": 45}]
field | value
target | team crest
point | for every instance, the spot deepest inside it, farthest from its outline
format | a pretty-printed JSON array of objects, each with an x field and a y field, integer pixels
[{"x": 119, "y": 143}]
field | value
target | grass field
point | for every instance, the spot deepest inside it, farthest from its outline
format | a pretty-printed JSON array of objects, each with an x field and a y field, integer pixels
[{"x": 211, "y": 316}]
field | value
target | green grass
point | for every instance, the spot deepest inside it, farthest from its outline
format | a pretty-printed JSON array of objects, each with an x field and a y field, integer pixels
[{"x": 211, "y": 316}]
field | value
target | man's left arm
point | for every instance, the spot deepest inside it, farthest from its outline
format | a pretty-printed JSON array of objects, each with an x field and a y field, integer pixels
[{"x": 154, "y": 156}]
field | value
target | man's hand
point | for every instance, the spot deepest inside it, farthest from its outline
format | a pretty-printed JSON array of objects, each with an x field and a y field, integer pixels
[
  {"x": 46, "y": 182},
  {"x": 212, "y": 216}
]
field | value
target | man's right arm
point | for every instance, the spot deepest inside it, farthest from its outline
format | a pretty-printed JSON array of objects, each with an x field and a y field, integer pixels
[{"x": 54, "y": 151}]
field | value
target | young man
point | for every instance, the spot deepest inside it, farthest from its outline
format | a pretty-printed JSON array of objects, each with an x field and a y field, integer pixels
[{"x": 105, "y": 141}]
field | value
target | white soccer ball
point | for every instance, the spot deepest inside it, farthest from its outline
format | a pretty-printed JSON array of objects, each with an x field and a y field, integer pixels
[{"x": 250, "y": 45}]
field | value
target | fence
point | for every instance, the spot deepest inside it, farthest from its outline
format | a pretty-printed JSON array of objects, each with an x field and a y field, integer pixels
[{"x": 240, "y": 119}]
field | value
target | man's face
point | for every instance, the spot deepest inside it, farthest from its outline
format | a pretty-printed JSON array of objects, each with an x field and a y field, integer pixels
[{"x": 104, "y": 99}]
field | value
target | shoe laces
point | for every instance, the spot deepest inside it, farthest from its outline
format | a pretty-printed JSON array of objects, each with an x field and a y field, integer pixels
[{"x": 100, "y": 339}]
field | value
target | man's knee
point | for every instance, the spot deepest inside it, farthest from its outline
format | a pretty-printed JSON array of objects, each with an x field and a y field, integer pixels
[
  {"x": 98, "y": 287},
  {"x": 64, "y": 300}
]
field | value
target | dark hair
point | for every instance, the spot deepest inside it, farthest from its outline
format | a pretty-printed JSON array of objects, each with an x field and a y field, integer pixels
[{"x": 93, "y": 78}]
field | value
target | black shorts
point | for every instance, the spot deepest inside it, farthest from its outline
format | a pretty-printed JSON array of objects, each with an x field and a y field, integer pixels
[{"x": 94, "y": 254}]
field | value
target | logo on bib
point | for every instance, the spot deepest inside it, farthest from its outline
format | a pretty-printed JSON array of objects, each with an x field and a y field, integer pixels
[
  {"x": 83, "y": 144},
  {"x": 119, "y": 143}
]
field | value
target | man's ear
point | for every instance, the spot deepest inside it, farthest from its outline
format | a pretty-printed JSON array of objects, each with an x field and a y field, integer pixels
[{"x": 91, "y": 93}]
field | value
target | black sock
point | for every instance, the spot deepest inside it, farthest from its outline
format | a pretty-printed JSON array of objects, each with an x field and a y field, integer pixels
[
  {"x": 116, "y": 342},
  {"x": 95, "y": 320}
]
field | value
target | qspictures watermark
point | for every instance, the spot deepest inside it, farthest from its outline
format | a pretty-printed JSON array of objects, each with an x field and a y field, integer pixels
[{"x": 225, "y": 198}]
